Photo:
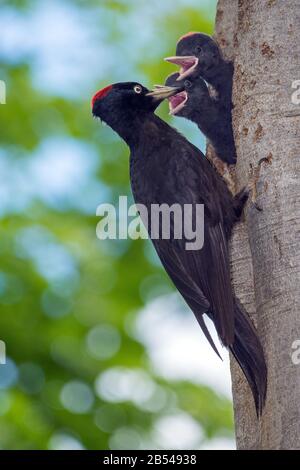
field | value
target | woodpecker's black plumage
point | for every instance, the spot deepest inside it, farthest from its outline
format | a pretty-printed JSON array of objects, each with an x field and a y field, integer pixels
[
  {"x": 198, "y": 54},
  {"x": 194, "y": 103},
  {"x": 166, "y": 168}
]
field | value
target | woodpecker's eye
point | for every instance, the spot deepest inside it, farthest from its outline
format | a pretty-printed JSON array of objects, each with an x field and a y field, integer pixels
[
  {"x": 187, "y": 84},
  {"x": 198, "y": 48},
  {"x": 138, "y": 89}
]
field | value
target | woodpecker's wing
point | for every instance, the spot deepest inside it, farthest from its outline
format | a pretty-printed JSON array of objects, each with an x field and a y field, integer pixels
[
  {"x": 185, "y": 284},
  {"x": 201, "y": 275}
]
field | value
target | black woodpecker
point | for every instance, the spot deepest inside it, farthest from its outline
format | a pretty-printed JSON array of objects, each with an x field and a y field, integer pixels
[{"x": 167, "y": 169}]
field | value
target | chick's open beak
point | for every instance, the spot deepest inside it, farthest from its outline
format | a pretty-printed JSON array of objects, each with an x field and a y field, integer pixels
[
  {"x": 187, "y": 64},
  {"x": 161, "y": 92}
]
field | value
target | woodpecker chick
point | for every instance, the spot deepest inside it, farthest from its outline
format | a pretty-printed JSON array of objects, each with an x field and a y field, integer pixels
[
  {"x": 194, "y": 103},
  {"x": 198, "y": 54}
]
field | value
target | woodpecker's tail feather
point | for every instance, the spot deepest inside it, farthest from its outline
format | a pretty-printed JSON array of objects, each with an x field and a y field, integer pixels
[{"x": 249, "y": 353}]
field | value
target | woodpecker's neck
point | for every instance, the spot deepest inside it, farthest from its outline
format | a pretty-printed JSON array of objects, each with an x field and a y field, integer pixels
[{"x": 130, "y": 125}]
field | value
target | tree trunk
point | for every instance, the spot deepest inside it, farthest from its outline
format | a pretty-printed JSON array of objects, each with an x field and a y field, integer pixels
[{"x": 263, "y": 38}]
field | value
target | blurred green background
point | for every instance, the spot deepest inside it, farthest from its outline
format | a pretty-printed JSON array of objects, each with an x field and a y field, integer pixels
[{"x": 101, "y": 351}]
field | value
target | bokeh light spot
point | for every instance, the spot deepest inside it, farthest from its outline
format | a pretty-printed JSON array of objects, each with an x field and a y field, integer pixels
[
  {"x": 120, "y": 384},
  {"x": 77, "y": 397},
  {"x": 8, "y": 374},
  {"x": 63, "y": 441},
  {"x": 125, "y": 438},
  {"x": 54, "y": 305},
  {"x": 31, "y": 378},
  {"x": 110, "y": 417},
  {"x": 177, "y": 431},
  {"x": 103, "y": 341}
]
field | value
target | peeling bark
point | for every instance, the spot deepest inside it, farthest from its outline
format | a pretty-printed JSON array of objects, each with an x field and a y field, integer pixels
[{"x": 263, "y": 38}]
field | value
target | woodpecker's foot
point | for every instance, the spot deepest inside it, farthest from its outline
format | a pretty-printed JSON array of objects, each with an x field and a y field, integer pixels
[{"x": 253, "y": 180}]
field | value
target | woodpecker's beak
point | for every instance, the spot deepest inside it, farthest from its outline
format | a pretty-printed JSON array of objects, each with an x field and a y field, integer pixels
[
  {"x": 161, "y": 92},
  {"x": 187, "y": 64}
]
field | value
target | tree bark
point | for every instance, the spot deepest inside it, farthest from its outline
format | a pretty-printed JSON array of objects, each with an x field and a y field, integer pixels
[{"x": 263, "y": 39}]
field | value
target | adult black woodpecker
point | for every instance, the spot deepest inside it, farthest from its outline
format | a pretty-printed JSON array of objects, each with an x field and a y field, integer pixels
[
  {"x": 198, "y": 54},
  {"x": 194, "y": 103},
  {"x": 167, "y": 169}
]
